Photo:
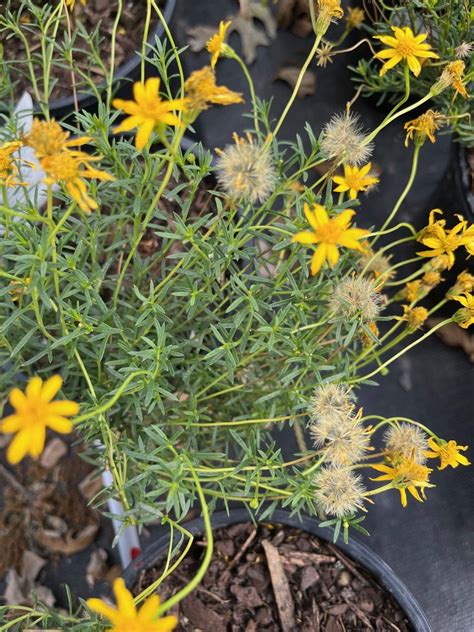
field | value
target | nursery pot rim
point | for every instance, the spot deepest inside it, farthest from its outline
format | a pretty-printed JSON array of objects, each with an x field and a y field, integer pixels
[
  {"x": 354, "y": 549},
  {"x": 86, "y": 99}
]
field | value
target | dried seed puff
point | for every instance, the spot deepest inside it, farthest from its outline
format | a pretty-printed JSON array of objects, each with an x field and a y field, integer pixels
[
  {"x": 404, "y": 45},
  {"x": 464, "y": 50},
  {"x": 356, "y": 297},
  {"x": 148, "y": 111},
  {"x": 405, "y": 440},
  {"x": 328, "y": 235},
  {"x": 377, "y": 265},
  {"x": 126, "y": 618},
  {"x": 245, "y": 170},
  {"x": 339, "y": 492},
  {"x": 346, "y": 441},
  {"x": 331, "y": 402},
  {"x": 343, "y": 140},
  {"x": 34, "y": 412}
]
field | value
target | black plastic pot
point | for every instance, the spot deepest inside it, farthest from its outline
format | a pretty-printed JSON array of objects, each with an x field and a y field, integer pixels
[
  {"x": 154, "y": 554},
  {"x": 125, "y": 74}
]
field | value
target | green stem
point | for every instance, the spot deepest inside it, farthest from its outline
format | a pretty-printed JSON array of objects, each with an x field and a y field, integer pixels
[
  {"x": 243, "y": 66},
  {"x": 110, "y": 79}
]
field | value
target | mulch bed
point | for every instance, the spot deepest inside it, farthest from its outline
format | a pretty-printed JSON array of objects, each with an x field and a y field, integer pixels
[
  {"x": 95, "y": 12},
  {"x": 271, "y": 578}
]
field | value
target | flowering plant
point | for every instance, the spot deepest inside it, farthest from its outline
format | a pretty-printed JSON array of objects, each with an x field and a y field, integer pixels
[{"x": 189, "y": 310}]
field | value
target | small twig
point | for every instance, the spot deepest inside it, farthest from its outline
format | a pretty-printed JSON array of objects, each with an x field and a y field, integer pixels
[
  {"x": 346, "y": 561},
  {"x": 281, "y": 587}
]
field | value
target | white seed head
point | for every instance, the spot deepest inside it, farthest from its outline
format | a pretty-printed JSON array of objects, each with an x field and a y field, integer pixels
[
  {"x": 331, "y": 403},
  {"x": 344, "y": 140},
  {"x": 356, "y": 296},
  {"x": 464, "y": 50},
  {"x": 406, "y": 440},
  {"x": 339, "y": 491},
  {"x": 245, "y": 171}
]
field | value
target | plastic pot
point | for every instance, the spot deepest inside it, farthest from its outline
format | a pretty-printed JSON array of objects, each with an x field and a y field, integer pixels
[
  {"x": 155, "y": 553},
  {"x": 125, "y": 74}
]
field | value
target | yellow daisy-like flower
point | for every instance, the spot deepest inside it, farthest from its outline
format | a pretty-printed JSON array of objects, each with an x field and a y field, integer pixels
[
  {"x": 464, "y": 285},
  {"x": 448, "y": 452},
  {"x": 414, "y": 316},
  {"x": 126, "y": 617},
  {"x": 406, "y": 475},
  {"x": 465, "y": 317},
  {"x": 34, "y": 412},
  {"x": 47, "y": 138},
  {"x": 216, "y": 45},
  {"x": 148, "y": 111},
  {"x": 404, "y": 46},
  {"x": 201, "y": 90},
  {"x": 423, "y": 127},
  {"x": 329, "y": 233},
  {"x": 65, "y": 168},
  {"x": 444, "y": 242},
  {"x": 355, "y": 180},
  {"x": 8, "y": 168}
]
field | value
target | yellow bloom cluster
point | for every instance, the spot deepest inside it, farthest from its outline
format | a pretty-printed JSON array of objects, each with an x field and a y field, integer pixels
[
  {"x": 406, "y": 475},
  {"x": 404, "y": 45},
  {"x": 354, "y": 180},
  {"x": 443, "y": 242},
  {"x": 424, "y": 126},
  {"x": 8, "y": 167}
]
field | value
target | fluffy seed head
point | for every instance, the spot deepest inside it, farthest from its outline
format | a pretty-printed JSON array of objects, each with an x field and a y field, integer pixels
[
  {"x": 406, "y": 440},
  {"x": 464, "y": 50},
  {"x": 246, "y": 170},
  {"x": 343, "y": 140},
  {"x": 377, "y": 265},
  {"x": 339, "y": 491},
  {"x": 356, "y": 297},
  {"x": 331, "y": 403}
]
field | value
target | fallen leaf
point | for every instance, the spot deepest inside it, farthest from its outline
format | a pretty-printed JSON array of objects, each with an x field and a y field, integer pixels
[
  {"x": 67, "y": 544},
  {"x": 455, "y": 336},
  {"x": 20, "y": 587},
  {"x": 53, "y": 453},
  {"x": 97, "y": 567},
  {"x": 250, "y": 35},
  {"x": 198, "y": 36},
  {"x": 290, "y": 74}
]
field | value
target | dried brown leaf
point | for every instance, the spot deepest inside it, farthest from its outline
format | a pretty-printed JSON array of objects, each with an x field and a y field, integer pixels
[
  {"x": 455, "y": 336},
  {"x": 68, "y": 544},
  {"x": 53, "y": 453},
  {"x": 290, "y": 74},
  {"x": 97, "y": 567}
]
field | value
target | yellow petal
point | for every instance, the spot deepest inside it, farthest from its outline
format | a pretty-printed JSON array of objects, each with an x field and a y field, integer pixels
[
  {"x": 124, "y": 599},
  {"x": 63, "y": 407},
  {"x": 305, "y": 237},
  {"x": 110, "y": 613},
  {"x": 148, "y": 611},
  {"x": 332, "y": 254},
  {"x": 18, "y": 400},
  {"x": 51, "y": 388},
  {"x": 344, "y": 219},
  {"x": 33, "y": 390},
  {"x": 414, "y": 65},
  {"x": 12, "y": 423},
  {"x": 19, "y": 447},
  {"x": 37, "y": 440},
  {"x": 139, "y": 93},
  {"x": 310, "y": 216},
  {"x": 59, "y": 424},
  {"x": 318, "y": 259},
  {"x": 143, "y": 134},
  {"x": 152, "y": 87},
  {"x": 320, "y": 214}
]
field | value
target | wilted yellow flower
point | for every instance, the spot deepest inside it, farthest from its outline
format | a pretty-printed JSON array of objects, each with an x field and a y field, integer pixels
[
  {"x": 48, "y": 137},
  {"x": 148, "y": 111},
  {"x": 452, "y": 75},
  {"x": 328, "y": 10},
  {"x": 414, "y": 316},
  {"x": 126, "y": 618},
  {"x": 406, "y": 475},
  {"x": 216, "y": 44},
  {"x": 354, "y": 17},
  {"x": 200, "y": 89},
  {"x": 34, "y": 412},
  {"x": 448, "y": 452},
  {"x": 355, "y": 179},
  {"x": 405, "y": 46},
  {"x": 424, "y": 126},
  {"x": 442, "y": 241},
  {"x": 8, "y": 167},
  {"x": 19, "y": 288},
  {"x": 464, "y": 284},
  {"x": 65, "y": 168},
  {"x": 329, "y": 233},
  {"x": 465, "y": 317},
  {"x": 431, "y": 278}
]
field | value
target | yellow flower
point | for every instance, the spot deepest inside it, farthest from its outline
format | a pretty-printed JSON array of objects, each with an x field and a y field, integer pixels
[
  {"x": 424, "y": 126},
  {"x": 8, "y": 168},
  {"x": 452, "y": 75},
  {"x": 442, "y": 241},
  {"x": 70, "y": 4},
  {"x": 329, "y": 10},
  {"x": 448, "y": 452},
  {"x": 201, "y": 90},
  {"x": 34, "y": 412},
  {"x": 329, "y": 233},
  {"x": 216, "y": 44},
  {"x": 404, "y": 46},
  {"x": 465, "y": 317},
  {"x": 354, "y": 18},
  {"x": 431, "y": 278},
  {"x": 355, "y": 180},
  {"x": 19, "y": 288},
  {"x": 405, "y": 475},
  {"x": 413, "y": 290},
  {"x": 65, "y": 168},
  {"x": 148, "y": 111},
  {"x": 47, "y": 138},
  {"x": 464, "y": 284},
  {"x": 414, "y": 316},
  {"x": 126, "y": 618}
]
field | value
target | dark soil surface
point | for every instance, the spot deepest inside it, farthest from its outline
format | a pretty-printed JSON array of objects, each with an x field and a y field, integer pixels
[
  {"x": 271, "y": 578},
  {"x": 95, "y": 13}
]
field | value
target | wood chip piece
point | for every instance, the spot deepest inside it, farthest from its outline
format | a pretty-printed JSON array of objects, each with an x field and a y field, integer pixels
[
  {"x": 53, "y": 453},
  {"x": 281, "y": 588}
]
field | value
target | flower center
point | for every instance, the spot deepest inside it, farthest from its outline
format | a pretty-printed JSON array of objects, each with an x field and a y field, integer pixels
[
  {"x": 329, "y": 233},
  {"x": 61, "y": 167}
]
